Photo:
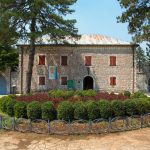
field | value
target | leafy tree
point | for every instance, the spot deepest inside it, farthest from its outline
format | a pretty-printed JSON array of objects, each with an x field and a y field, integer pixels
[
  {"x": 137, "y": 14},
  {"x": 35, "y": 18},
  {"x": 140, "y": 58}
]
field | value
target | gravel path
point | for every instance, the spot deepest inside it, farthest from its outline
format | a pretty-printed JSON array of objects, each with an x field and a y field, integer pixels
[{"x": 132, "y": 140}]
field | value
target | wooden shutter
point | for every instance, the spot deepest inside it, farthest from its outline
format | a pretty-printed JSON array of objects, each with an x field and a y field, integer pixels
[
  {"x": 112, "y": 60},
  {"x": 64, "y": 60},
  {"x": 63, "y": 80},
  {"x": 41, "y": 80},
  {"x": 88, "y": 60},
  {"x": 42, "y": 60},
  {"x": 112, "y": 80}
]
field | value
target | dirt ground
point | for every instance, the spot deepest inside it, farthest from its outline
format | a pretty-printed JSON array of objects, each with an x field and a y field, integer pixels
[{"x": 131, "y": 140}]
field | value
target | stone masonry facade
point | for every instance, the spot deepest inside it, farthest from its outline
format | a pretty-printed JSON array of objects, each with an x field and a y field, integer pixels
[{"x": 100, "y": 69}]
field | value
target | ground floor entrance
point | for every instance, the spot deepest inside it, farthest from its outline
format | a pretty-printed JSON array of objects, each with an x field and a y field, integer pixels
[
  {"x": 88, "y": 83},
  {"x": 3, "y": 85}
]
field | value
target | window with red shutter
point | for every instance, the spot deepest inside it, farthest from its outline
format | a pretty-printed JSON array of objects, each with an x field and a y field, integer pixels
[
  {"x": 41, "y": 80},
  {"x": 88, "y": 60},
  {"x": 63, "y": 80},
  {"x": 112, "y": 81},
  {"x": 41, "y": 59},
  {"x": 64, "y": 60},
  {"x": 112, "y": 60}
]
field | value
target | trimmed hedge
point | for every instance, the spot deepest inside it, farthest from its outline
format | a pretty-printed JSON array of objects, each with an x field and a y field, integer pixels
[
  {"x": 104, "y": 109},
  {"x": 138, "y": 95},
  {"x": 48, "y": 111},
  {"x": 80, "y": 111},
  {"x": 65, "y": 111},
  {"x": 127, "y": 93},
  {"x": 20, "y": 110},
  {"x": 93, "y": 110},
  {"x": 10, "y": 107},
  {"x": 34, "y": 110},
  {"x": 85, "y": 93},
  {"x": 118, "y": 108}
]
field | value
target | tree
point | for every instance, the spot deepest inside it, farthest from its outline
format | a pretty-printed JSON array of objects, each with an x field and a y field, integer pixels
[
  {"x": 148, "y": 55},
  {"x": 140, "y": 58},
  {"x": 35, "y": 18},
  {"x": 137, "y": 14}
]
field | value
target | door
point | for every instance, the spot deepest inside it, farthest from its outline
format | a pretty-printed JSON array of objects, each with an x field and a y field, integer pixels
[
  {"x": 88, "y": 83},
  {"x": 3, "y": 86}
]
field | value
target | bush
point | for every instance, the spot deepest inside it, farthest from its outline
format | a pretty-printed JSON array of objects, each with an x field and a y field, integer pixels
[
  {"x": 92, "y": 109},
  {"x": 138, "y": 95},
  {"x": 130, "y": 107},
  {"x": 80, "y": 111},
  {"x": 117, "y": 108},
  {"x": 34, "y": 110},
  {"x": 143, "y": 106},
  {"x": 104, "y": 109},
  {"x": 85, "y": 93},
  {"x": 65, "y": 111},
  {"x": 10, "y": 107},
  {"x": 3, "y": 103},
  {"x": 56, "y": 93},
  {"x": 48, "y": 111},
  {"x": 127, "y": 93},
  {"x": 20, "y": 110}
]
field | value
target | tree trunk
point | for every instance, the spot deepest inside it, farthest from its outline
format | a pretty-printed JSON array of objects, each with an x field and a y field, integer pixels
[{"x": 31, "y": 58}]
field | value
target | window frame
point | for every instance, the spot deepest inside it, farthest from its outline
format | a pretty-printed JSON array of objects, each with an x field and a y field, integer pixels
[
  {"x": 39, "y": 80},
  {"x": 114, "y": 64},
  {"x": 61, "y": 60},
  {"x": 61, "y": 80},
  {"x": 39, "y": 59},
  {"x": 113, "y": 77},
  {"x": 85, "y": 60}
]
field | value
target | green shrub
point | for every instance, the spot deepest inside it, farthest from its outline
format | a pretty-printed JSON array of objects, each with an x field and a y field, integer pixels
[
  {"x": 127, "y": 93},
  {"x": 10, "y": 107},
  {"x": 34, "y": 110},
  {"x": 143, "y": 106},
  {"x": 138, "y": 95},
  {"x": 104, "y": 109},
  {"x": 130, "y": 107},
  {"x": 68, "y": 94},
  {"x": 80, "y": 111},
  {"x": 65, "y": 111},
  {"x": 56, "y": 93},
  {"x": 3, "y": 103},
  {"x": 85, "y": 93},
  {"x": 93, "y": 110},
  {"x": 117, "y": 108},
  {"x": 48, "y": 111},
  {"x": 20, "y": 110}
]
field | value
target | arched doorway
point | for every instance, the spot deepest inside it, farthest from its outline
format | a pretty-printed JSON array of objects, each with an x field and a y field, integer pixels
[
  {"x": 88, "y": 83},
  {"x": 3, "y": 85},
  {"x": 149, "y": 85}
]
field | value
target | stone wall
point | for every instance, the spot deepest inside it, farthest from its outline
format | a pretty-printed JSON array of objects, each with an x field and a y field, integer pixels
[{"x": 100, "y": 71}]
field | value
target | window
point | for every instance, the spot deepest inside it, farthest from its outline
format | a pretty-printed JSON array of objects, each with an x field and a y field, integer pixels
[
  {"x": 64, "y": 80},
  {"x": 88, "y": 60},
  {"x": 112, "y": 60},
  {"x": 64, "y": 60},
  {"x": 112, "y": 81},
  {"x": 41, "y": 59},
  {"x": 41, "y": 80}
]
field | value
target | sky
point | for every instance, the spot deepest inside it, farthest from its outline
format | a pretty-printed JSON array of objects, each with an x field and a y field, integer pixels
[{"x": 99, "y": 17}]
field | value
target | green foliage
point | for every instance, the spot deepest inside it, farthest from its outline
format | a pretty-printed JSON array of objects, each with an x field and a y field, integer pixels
[
  {"x": 85, "y": 93},
  {"x": 48, "y": 111},
  {"x": 93, "y": 110},
  {"x": 60, "y": 94},
  {"x": 143, "y": 106},
  {"x": 104, "y": 109},
  {"x": 34, "y": 110},
  {"x": 20, "y": 110},
  {"x": 65, "y": 111},
  {"x": 138, "y": 95},
  {"x": 127, "y": 93},
  {"x": 80, "y": 111},
  {"x": 136, "y": 13},
  {"x": 118, "y": 108},
  {"x": 130, "y": 107},
  {"x": 10, "y": 107},
  {"x": 3, "y": 103}
]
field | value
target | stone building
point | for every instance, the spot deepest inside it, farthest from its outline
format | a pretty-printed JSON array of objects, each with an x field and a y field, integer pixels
[{"x": 92, "y": 62}]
